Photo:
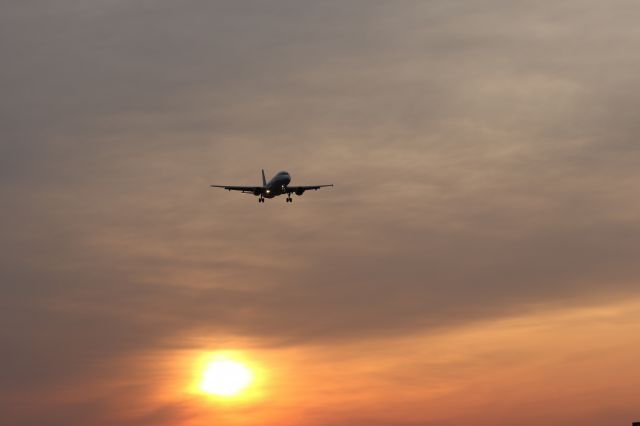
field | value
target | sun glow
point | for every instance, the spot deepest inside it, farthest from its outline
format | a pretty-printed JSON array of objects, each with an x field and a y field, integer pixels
[{"x": 225, "y": 377}]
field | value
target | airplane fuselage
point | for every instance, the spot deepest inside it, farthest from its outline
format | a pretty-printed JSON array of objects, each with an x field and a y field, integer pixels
[{"x": 277, "y": 185}]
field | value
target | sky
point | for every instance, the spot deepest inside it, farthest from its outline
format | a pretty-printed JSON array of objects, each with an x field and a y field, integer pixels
[{"x": 475, "y": 263}]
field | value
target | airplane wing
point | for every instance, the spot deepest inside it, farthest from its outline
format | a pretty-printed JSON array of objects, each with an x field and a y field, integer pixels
[
  {"x": 249, "y": 189},
  {"x": 306, "y": 188}
]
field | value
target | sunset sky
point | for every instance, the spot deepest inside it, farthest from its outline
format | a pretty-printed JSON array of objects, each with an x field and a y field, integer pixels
[{"x": 477, "y": 262}]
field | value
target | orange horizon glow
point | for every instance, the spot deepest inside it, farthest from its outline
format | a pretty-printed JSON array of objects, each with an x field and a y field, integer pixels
[{"x": 556, "y": 364}]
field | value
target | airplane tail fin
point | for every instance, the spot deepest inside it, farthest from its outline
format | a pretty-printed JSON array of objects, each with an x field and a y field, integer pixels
[{"x": 264, "y": 179}]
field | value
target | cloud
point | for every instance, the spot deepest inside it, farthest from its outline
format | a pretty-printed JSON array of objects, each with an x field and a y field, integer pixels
[{"x": 484, "y": 158}]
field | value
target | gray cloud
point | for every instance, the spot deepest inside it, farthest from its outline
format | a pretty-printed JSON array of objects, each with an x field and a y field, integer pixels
[{"x": 485, "y": 159}]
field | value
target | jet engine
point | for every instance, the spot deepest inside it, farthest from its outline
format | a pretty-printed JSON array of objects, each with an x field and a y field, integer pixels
[
  {"x": 256, "y": 192},
  {"x": 299, "y": 191}
]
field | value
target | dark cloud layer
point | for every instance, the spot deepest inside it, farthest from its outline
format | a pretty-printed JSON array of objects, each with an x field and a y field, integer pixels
[{"x": 485, "y": 156}]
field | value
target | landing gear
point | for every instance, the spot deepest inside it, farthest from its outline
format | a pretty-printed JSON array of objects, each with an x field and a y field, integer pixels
[
  {"x": 289, "y": 199},
  {"x": 261, "y": 200}
]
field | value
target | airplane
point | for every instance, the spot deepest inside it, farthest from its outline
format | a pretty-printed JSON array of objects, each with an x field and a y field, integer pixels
[{"x": 278, "y": 185}]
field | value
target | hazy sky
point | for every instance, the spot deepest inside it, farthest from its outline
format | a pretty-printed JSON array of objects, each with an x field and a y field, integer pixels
[{"x": 476, "y": 262}]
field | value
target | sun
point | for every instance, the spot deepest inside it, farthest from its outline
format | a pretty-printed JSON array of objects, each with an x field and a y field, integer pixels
[{"x": 225, "y": 378}]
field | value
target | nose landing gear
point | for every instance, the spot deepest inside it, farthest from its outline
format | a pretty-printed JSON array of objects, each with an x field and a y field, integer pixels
[{"x": 289, "y": 199}]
